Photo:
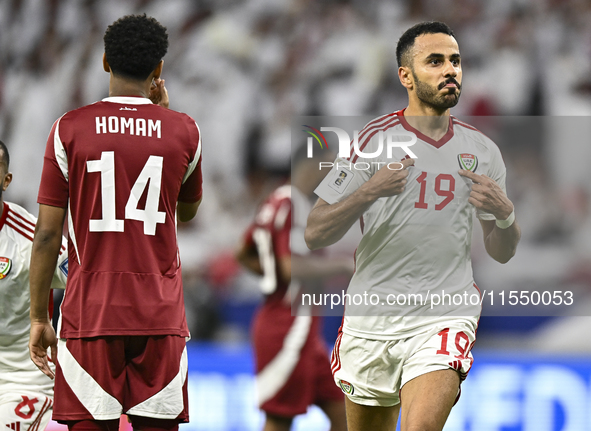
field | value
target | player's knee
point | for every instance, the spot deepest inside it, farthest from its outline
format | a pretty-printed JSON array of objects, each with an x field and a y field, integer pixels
[
  {"x": 92, "y": 425},
  {"x": 140, "y": 423}
]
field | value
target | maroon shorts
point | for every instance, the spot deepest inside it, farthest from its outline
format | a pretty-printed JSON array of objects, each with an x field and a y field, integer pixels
[
  {"x": 103, "y": 377},
  {"x": 293, "y": 369}
]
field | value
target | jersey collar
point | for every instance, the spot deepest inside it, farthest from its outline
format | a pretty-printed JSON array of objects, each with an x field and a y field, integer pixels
[
  {"x": 4, "y": 215},
  {"x": 128, "y": 100},
  {"x": 422, "y": 137}
]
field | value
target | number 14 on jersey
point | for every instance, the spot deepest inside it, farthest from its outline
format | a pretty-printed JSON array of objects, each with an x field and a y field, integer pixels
[{"x": 150, "y": 176}]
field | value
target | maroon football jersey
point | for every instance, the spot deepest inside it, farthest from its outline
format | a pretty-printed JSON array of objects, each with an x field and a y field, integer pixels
[
  {"x": 120, "y": 166},
  {"x": 270, "y": 234}
]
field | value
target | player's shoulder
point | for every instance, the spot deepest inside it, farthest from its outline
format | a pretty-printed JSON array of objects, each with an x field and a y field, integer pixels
[
  {"x": 280, "y": 194},
  {"x": 383, "y": 122},
  {"x": 276, "y": 206},
  {"x": 18, "y": 211},
  {"x": 462, "y": 128},
  {"x": 20, "y": 221}
]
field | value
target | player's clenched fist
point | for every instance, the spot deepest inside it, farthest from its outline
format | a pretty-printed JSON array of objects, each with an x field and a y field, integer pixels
[
  {"x": 390, "y": 180},
  {"x": 486, "y": 195}
]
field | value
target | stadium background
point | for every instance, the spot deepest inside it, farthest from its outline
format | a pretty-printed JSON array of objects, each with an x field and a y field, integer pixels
[{"x": 244, "y": 68}]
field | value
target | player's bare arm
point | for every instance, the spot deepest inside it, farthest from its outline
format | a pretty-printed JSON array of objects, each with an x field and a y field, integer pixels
[
  {"x": 186, "y": 211},
  {"x": 46, "y": 246},
  {"x": 328, "y": 223},
  {"x": 486, "y": 195}
]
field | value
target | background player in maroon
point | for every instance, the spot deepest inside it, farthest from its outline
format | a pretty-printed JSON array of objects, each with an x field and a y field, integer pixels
[
  {"x": 292, "y": 366},
  {"x": 122, "y": 170}
]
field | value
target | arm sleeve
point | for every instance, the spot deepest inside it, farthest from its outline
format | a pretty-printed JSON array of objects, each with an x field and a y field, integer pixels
[
  {"x": 498, "y": 172},
  {"x": 347, "y": 175},
  {"x": 53, "y": 189},
  {"x": 191, "y": 188}
]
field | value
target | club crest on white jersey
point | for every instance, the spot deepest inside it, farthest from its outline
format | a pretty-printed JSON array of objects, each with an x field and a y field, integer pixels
[
  {"x": 5, "y": 266},
  {"x": 468, "y": 161}
]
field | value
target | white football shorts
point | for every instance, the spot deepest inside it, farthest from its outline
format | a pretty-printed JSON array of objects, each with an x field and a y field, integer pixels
[
  {"x": 372, "y": 372},
  {"x": 25, "y": 411}
]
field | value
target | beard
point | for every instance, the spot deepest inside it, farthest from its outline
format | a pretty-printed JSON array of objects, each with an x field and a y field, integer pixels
[{"x": 431, "y": 96}]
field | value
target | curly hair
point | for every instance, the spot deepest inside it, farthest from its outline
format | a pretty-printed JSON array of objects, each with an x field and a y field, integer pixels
[
  {"x": 134, "y": 45},
  {"x": 407, "y": 40}
]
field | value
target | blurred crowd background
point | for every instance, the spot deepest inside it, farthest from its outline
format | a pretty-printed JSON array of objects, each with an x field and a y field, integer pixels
[{"x": 244, "y": 68}]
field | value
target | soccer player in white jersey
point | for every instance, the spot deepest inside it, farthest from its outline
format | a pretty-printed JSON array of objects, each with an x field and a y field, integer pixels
[
  {"x": 26, "y": 394},
  {"x": 416, "y": 215}
]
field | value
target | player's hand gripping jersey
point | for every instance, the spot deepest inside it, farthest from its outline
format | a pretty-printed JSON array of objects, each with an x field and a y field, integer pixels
[
  {"x": 114, "y": 164},
  {"x": 417, "y": 242}
]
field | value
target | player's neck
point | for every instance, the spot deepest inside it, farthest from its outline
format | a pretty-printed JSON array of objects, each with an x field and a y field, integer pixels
[
  {"x": 428, "y": 120},
  {"x": 128, "y": 87}
]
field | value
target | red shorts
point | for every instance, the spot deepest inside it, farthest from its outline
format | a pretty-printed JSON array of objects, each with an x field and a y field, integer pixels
[
  {"x": 102, "y": 378},
  {"x": 293, "y": 368}
]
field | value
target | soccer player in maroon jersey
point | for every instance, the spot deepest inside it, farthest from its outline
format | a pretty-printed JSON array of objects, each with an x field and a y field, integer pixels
[
  {"x": 417, "y": 222},
  {"x": 122, "y": 170},
  {"x": 292, "y": 367}
]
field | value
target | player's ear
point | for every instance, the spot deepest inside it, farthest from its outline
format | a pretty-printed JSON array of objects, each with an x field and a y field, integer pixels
[
  {"x": 6, "y": 181},
  {"x": 106, "y": 66},
  {"x": 406, "y": 77},
  {"x": 158, "y": 69}
]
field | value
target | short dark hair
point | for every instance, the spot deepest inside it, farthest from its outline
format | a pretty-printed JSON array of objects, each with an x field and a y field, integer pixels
[
  {"x": 4, "y": 156},
  {"x": 134, "y": 45},
  {"x": 407, "y": 40}
]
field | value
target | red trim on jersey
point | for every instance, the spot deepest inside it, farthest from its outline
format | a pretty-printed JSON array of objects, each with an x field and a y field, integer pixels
[
  {"x": 371, "y": 125},
  {"x": 467, "y": 126},
  {"x": 21, "y": 218},
  {"x": 383, "y": 128},
  {"x": 9, "y": 224},
  {"x": 4, "y": 215},
  {"x": 14, "y": 220},
  {"x": 437, "y": 144}
]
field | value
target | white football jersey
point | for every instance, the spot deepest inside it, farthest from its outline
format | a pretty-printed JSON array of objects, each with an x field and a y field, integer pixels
[
  {"x": 415, "y": 246},
  {"x": 17, "y": 371}
]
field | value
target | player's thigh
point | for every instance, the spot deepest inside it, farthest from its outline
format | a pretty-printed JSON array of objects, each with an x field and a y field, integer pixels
[
  {"x": 369, "y": 371},
  {"x": 438, "y": 361},
  {"x": 25, "y": 411},
  {"x": 426, "y": 401},
  {"x": 375, "y": 418},
  {"x": 156, "y": 378}
]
